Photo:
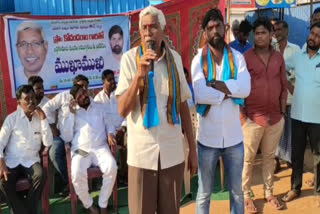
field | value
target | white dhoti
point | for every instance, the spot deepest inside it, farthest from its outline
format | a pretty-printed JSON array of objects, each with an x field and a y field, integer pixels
[{"x": 102, "y": 158}]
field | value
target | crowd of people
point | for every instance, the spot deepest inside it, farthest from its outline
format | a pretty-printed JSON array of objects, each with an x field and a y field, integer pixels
[{"x": 248, "y": 97}]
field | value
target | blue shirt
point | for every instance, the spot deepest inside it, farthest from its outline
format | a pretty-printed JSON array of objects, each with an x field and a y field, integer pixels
[
  {"x": 240, "y": 47},
  {"x": 306, "y": 102}
]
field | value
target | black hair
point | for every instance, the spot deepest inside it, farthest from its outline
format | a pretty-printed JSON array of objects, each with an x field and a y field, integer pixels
[
  {"x": 34, "y": 80},
  {"x": 245, "y": 27},
  {"x": 105, "y": 73},
  {"x": 23, "y": 89},
  {"x": 213, "y": 14},
  {"x": 317, "y": 24},
  {"x": 284, "y": 24},
  {"x": 262, "y": 21},
  {"x": 114, "y": 30},
  {"x": 74, "y": 90},
  {"x": 317, "y": 10},
  {"x": 79, "y": 78}
]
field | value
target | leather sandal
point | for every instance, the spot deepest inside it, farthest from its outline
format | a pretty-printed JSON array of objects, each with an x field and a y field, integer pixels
[
  {"x": 291, "y": 195},
  {"x": 274, "y": 202}
]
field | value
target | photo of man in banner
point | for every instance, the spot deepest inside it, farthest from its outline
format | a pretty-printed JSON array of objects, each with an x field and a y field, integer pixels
[
  {"x": 32, "y": 49},
  {"x": 116, "y": 45},
  {"x": 57, "y": 50}
]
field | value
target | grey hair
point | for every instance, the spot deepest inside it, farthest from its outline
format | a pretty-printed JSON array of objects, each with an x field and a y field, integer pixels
[
  {"x": 150, "y": 10},
  {"x": 30, "y": 25},
  {"x": 235, "y": 24}
]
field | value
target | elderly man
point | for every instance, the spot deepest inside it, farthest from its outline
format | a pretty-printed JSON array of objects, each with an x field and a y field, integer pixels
[
  {"x": 61, "y": 103},
  {"x": 287, "y": 49},
  {"x": 263, "y": 112},
  {"x": 21, "y": 136},
  {"x": 116, "y": 44},
  {"x": 37, "y": 84},
  {"x": 235, "y": 28},
  {"x": 86, "y": 127},
  {"x": 221, "y": 81},
  {"x": 305, "y": 112},
  {"x": 32, "y": 49},
  {"x": 152, "y": 95}
]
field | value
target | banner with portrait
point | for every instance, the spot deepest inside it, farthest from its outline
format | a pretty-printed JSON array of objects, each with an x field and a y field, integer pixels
[{"x": 60, "y": 49}]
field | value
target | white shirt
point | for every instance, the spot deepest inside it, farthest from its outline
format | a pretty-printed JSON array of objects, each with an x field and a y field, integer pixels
[
  {"x": 221, "y": 127},
  {"x": 111, "y": 105},
  {"x": 289, "y": 51},
  {"x": 43, "y": 102},
  {"x": 144, "y": 145},
  {"x": 59, "y": 102},
  {"x": 87, "y": 129},
  {"x": 22, "y": 139}
]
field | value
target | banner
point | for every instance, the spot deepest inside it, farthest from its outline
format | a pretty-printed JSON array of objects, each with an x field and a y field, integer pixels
[
  {"x": 60, "y": 49},
  {"x": 275, "y": 3}
]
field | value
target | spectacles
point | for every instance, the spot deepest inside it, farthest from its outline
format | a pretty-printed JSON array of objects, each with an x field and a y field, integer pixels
[{"x": 33, "y": 45}]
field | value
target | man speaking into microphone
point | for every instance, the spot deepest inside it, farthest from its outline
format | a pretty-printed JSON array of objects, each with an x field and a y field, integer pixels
[{"x": 154, "y": 101}]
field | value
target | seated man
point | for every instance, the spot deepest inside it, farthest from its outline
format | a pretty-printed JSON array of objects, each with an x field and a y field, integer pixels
[
  {"x": 107, "y": 97},
  {"x": 21, "y": 135},
  {"x": 37, "y": 84},
  {"x": 86, "y": 127},
  {"x": 60, "y": 103}
]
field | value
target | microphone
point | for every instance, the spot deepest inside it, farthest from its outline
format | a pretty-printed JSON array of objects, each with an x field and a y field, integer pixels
[{"x": 151, "y": 45}]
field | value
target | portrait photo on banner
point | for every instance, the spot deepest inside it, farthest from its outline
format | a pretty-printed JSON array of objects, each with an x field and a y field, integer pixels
[{"x": 60, "y": 49}]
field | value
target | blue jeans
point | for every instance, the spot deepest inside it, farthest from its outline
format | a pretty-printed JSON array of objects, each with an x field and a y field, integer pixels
[
  {"x": 58, "y": 158},
  {"x": 233, "y": 162}
]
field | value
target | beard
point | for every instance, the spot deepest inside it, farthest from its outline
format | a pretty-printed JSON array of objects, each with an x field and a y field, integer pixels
[
  {"x": 312, "y": 46},
  {"x": 116, "y": 49},
  {"x": 217, "y": 42}
]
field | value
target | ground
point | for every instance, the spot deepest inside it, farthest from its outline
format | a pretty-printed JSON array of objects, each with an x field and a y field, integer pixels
[{"x": 306, "y": 204}]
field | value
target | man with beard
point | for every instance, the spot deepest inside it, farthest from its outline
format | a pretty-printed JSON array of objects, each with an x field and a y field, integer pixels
[
  {"x": 87, "y": 128},
  {"x": 21, "y": 136},
  {"x": 37, "y": 84},
  {"x": 116, "y": 45},
  {"x": 262, "y": 116},
  {"x": 305, "y": 112},
  {"x": 107, "y": 97},
  {"x": 221, "y": 80}
]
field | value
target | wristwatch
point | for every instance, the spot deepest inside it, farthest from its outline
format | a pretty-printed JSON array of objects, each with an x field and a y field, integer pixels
[{"x": 211, "y": 83}]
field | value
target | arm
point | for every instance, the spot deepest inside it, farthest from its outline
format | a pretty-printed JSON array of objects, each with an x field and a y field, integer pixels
[
  {"x": 240, "y": 87},
  {"x": 5, "y": 133},
  {"x": 203, "y": 94},
  {"x": 67, "y": 123},
  {"x": 127, "y": 100},
  {"x": 46, "y": 134},
  {"x": 284, "y": 88},
  {"x": 110, "y": 129},
  {"x": 187, "y": 127},
  {"x": 51, "y": 107}
]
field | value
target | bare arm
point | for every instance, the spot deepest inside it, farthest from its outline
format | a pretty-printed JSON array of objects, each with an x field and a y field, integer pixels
[
  {"x": 187, "y": 127},
  {"x": 127, "y": 100}
]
